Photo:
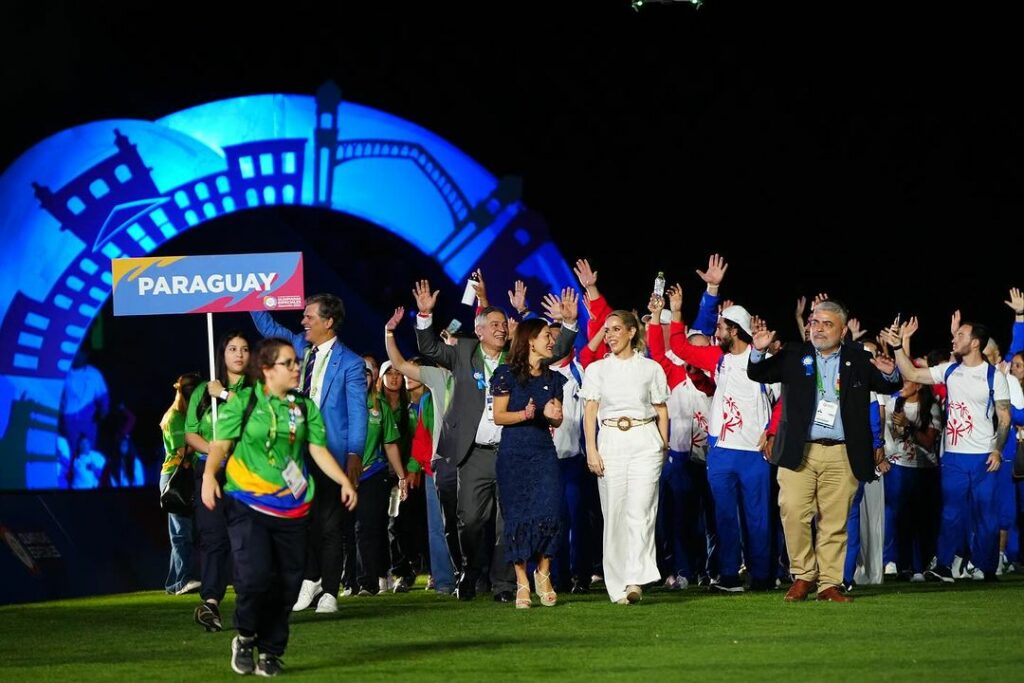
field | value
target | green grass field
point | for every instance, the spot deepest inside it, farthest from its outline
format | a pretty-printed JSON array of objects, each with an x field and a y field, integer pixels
[{"x": 965, "y": 632}]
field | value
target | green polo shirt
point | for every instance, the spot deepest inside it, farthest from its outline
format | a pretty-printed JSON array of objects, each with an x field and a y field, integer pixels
[
  {"x": 172, "y": 429},
  {"x": 381, "y": 428},
  {"x": 203, "y": 424},
  {"x": 255, "y": 472}
]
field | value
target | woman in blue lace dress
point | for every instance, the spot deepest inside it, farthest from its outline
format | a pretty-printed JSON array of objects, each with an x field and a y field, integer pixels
[{"x": 527, "y": 403}]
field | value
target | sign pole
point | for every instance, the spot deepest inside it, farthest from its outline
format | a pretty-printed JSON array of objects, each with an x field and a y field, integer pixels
[{"x": 213, "y": 369}]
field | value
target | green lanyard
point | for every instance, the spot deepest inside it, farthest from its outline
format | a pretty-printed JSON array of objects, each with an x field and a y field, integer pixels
[
  {"x": 293, "y": 426},
  {"x": 317, "y": 374},
  {"x": 483, "y": 360},
  {"x": 817, "y": 378}
]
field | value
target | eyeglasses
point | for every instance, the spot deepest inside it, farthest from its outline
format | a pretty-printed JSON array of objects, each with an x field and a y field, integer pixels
[{"x": 290, "y": 363}]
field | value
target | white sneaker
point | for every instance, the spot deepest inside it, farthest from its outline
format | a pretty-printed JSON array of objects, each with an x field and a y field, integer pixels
[
  {"x": 306, "y": 594},
  {"x": 670, "y": 582},
  {"x": 1000, "y": 566},
  {"x": 958, "y": 568},
  {"x": 347, "y": 593},
  {"x": 328, "y": 604},
  {"x": 384, "y": 584},
  {"x": 682, "y": 583},
  {"x": 189, "y": 587},
  {"x": 890, "y": 569},
  {"x": 975, "y": 573},
  {"x": 917, "y": 578}
]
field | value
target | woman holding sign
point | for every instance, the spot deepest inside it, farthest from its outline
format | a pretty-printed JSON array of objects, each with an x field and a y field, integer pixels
[
  {"x": 212, "y": 528},
  {"x": 269, "y": 493}
]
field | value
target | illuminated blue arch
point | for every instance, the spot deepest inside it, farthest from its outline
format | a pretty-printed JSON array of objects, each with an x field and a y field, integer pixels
[{"x": 124, "y": 187}]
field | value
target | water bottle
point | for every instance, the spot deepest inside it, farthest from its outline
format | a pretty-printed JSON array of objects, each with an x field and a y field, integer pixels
[
  {"x": 394, "y": 501},
  {"x": 469, "y": 294},
  {"x": 659, "y": 284}
]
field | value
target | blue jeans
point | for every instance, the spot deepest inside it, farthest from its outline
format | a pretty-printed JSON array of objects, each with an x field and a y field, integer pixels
[
  {"x": 441, "y": 568},
  {"x": 179, "y": 530}
]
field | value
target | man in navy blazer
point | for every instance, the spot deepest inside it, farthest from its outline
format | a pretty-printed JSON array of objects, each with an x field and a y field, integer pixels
[{"x": 332, "y": 375}]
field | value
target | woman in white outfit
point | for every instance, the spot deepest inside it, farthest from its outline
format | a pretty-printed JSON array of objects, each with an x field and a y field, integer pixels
[{"x": 627, "y": 393}]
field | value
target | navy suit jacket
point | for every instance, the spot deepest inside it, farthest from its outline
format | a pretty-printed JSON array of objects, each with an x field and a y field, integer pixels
[{"x": 343, "y": 394}]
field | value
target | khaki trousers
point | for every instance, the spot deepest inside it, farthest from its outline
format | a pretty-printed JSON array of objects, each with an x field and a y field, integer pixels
[{"x": 821, "y": 489}]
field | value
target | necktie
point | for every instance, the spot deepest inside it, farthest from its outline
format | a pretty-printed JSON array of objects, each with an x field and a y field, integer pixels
[{"x": 307, "y": 377}]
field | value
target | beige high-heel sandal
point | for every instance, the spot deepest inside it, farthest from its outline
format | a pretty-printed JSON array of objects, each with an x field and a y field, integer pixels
[
  {"x": 548, "y": 597},
  {"x": 523, "y": 589}
]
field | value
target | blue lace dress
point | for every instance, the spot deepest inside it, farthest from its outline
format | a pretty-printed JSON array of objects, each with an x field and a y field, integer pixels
[{"x": 529, "y": 489}]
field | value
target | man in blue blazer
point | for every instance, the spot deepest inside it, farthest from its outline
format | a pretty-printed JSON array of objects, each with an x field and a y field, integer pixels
[{"x": 332, "y": 376}]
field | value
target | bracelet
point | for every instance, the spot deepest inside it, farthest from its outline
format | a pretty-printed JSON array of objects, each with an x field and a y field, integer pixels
[{"x": 897, "y": 348}]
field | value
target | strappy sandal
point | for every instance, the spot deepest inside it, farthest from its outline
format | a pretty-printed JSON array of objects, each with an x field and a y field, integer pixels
[
  {"x": 523, "y": 600},
  {"x": 548, "y": 597}
]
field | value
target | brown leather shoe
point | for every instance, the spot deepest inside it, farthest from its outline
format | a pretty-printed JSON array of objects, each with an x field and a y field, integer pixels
[
  {"x": 832, "y": 594},
  {"x": 799, "y": 590}
]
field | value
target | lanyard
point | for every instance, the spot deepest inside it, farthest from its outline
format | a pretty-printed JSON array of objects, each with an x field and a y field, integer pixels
[
  {"x": 317, "y": 374},
  {"x": 293, "y": 425},
  {"x": 818, "y": 373},
  {"x": 487, "y": 371}
]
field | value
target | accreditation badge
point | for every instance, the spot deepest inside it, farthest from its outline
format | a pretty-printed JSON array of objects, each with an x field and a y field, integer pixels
[
  {"x": 826, "y": 415},
  {"x": 293, "y": 477}
]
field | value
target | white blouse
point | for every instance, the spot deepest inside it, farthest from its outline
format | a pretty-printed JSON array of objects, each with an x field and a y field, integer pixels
[{"x": 625, "y": 388}]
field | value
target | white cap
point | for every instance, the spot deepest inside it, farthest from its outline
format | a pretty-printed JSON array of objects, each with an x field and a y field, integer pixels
[
  {"x": 385, "y": 366},
  {"x": 739, "y": 316}
]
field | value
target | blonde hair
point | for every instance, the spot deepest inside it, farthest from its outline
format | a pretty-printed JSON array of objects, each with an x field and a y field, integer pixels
[{"x": 630, "y": 320}]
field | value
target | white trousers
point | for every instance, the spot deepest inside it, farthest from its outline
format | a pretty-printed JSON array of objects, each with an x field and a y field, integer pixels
[{"x": 629, "y": 503}]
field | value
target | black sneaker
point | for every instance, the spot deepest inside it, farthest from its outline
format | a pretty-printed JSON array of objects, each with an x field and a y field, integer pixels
[
  {"x": 944, "y": 574},
  {"x": 242, "y": 656},
  {"x": 728, "y": 584},
  {"x": 578, "y": 587},
  {"x": 207, "y": 615},
  {"x": 400, "y": 586},
  {"x": 269, "y": 665},
  {"x": 848, "y": 586}
]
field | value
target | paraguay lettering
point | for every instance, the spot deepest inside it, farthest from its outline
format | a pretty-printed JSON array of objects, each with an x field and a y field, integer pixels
[{"x": 209, "y": 284}]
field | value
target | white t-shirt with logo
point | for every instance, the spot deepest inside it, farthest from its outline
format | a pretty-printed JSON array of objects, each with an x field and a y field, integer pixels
[
  {"x": 741, "y": 407},
  {"x": 969, "y": 428},
  {"x": 906, "y": 452},
  {"x": 688, "y": 409}
]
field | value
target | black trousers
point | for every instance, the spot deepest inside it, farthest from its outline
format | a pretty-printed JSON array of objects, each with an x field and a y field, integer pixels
[
  {"x": 211, "y": 527},
  {"x": 446, "y": 480},
  {"x": 407, "y": 534},
  {"x": 325, "y": 550},
  {"x": 480, "y": 524},
  {"x": 269, "y": 555},
  {"x": 372, "y": 530}
]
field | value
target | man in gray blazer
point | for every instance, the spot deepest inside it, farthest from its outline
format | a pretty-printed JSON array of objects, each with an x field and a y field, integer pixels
[{"x": 469, "y": 437}]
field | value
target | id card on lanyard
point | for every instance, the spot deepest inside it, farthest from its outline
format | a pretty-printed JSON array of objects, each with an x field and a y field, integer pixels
[
  {"x": 291, "y": 473},
  {"x": 827, "y": 410},
  {"x": 483, "y": 381}
]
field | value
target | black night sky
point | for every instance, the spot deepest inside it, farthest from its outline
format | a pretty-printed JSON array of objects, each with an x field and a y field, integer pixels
[{"x": 853, "y": 150}]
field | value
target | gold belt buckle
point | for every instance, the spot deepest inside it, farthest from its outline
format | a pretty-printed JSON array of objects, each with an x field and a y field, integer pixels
[{"x": 624, "y": 423}]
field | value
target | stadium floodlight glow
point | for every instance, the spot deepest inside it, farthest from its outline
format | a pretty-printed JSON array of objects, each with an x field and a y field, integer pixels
[{"x": 637, "y": 4}]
